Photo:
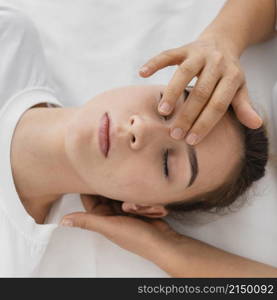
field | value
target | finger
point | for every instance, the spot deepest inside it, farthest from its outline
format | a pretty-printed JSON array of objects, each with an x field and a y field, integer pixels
[
  {"x": 214, "y": 111},
  {"x": 181, "y": 78},
  {"x": 162, "y": 60},
  {"x": 86, "y": 221},
  {"x": 196, "y": 100},
  {"x": 160, "y": 224},
  {"x": 244, "y": 111}
]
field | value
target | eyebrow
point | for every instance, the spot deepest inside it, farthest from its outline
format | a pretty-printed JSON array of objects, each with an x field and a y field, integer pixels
[{"x": 193, "y": 164}]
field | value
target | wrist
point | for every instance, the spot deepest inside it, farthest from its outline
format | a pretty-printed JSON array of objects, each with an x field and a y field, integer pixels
[
  {"x": 170, "y": 254},
  {"x": 232, "y": 43}
]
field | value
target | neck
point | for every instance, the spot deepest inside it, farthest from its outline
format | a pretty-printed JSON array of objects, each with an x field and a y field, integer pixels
[{"x": 42, "y": 173}]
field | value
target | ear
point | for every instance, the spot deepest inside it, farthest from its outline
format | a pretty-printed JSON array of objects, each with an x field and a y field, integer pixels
[{"x": 150, "y": 211}]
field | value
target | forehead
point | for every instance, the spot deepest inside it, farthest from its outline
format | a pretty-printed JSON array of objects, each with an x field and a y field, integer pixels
[
  {"x": 131, "y": 98},
  {"x": 138, "y": 93},
  {"x": 218, "y": 154}
]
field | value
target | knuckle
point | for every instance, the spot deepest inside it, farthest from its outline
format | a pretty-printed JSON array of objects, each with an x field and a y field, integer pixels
[
  {"x": 182, "y": 120},
  {"x": 219, "y": 107},
  {"x": 241, "y": 76},
  {"x": 169, "y": 53},
  {"x": 188, "y": 117},
  {"x": 231, "y": 80},
  {"x": 166, "y": 53},
  {"x": 235, "y": 75},
  {"x": 217, "y": 58},
  {"x": 185, "y": 122},
  {"x": 83, "y": 224},
  {"x": 200, "y": 127},
  {"x": 185, "y": 68},
  {"x": 152, "y": 63},
  {"x": 172, "y": 95},
  {"x": 201, "y": 93}
]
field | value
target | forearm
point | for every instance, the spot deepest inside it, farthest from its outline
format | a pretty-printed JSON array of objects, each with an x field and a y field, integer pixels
[
  {"x": 191, "y": 258},
  {"x": 242, "y": 23}
]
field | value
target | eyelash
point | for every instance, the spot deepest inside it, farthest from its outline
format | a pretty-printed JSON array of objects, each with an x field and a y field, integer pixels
[{"x": 165, "y": 165}]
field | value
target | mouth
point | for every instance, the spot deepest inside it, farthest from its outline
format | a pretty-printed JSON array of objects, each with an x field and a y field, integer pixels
[{"x": 104, "y": 134}]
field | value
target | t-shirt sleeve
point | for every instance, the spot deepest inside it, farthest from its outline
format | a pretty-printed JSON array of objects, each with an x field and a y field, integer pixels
[
  {"x": 22, "y": 63},
  {"x": 24, "y": 82}
]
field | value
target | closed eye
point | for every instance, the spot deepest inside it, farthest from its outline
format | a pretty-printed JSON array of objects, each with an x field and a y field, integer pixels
[{"x": 165, "y": 163}]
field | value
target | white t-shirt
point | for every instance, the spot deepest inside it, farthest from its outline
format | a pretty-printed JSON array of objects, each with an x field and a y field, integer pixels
[
  {"x": 27, "y": 248},
  {"x": 23, "y": 84}
]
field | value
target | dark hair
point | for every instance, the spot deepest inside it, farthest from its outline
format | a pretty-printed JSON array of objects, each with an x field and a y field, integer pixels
[{"x": 250, "y": 168}]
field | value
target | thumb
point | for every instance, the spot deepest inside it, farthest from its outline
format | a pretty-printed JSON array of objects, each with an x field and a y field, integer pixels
[{"x": 82, "y": 220}]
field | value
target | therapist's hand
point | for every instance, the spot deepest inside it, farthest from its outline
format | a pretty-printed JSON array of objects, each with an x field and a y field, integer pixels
[
  {"x": 176, "y": 254},
  {"x": 145, "y": 237},
  {"x": 220, "y": 82}
]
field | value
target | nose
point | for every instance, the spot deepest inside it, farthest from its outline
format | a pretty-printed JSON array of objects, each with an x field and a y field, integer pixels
[{"x": 143, "y": 132}]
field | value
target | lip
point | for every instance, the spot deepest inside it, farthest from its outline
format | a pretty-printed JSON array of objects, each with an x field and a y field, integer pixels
[{"x": 104, "y": 134}]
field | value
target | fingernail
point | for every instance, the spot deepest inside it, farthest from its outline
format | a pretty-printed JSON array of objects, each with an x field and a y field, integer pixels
[
  {"x": 177, "y": 133},
  {"x": 191, "y": 139},
  {"x": 67, "y": 222},
  {"x": 259, "y": 121},
  {"x": 144, "y": 70},
  {"x": 134, "y": 207},
  {"x": 165, "y": 108}
]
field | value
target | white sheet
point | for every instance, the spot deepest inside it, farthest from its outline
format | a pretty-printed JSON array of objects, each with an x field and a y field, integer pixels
[{"x": 94, "y": 45}]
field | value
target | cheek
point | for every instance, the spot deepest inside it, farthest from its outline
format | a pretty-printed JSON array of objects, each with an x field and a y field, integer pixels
[
  {"x": 124, "y": 185},
  {"x": 141, "y": 189}
]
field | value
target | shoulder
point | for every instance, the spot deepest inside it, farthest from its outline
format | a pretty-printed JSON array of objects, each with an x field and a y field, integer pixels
[{"x": 14, "y": 21}]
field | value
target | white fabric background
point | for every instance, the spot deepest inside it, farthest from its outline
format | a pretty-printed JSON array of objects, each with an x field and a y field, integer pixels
[{"x": 95, "y": 45}]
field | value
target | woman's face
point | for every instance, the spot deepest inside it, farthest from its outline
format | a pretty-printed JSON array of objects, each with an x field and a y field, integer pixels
[{"x": 144, "y": 165}]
